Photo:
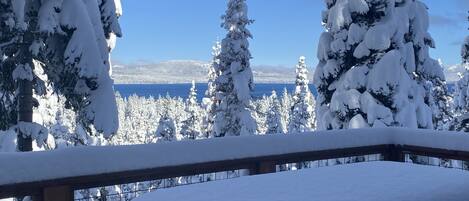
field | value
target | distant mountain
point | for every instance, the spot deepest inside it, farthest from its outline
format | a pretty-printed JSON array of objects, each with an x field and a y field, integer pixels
[{"x": 184, "y": 71}]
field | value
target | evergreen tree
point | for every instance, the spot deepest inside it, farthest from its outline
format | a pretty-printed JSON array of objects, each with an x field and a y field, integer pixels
[
  {"x": 441, "y": 103},
  {"x": 76, "y": 56},
  {"x": 261, "y": 108},
  {"x": 235, "y": 81},
  {"x": 67, "y": 40},
  {"x": 285, "y": 110},
  {"x": 209, "y": 101},
  {"x": 302, "y": 115},
  {"x": 374, "y": 65},
  {"x": 191, "y": 127},
  {"x": 166, "y": 130},
  {"x": 8, "y": 38},
  {"x": 461, "y": 99},
  {"x": 274, "y": 119}
]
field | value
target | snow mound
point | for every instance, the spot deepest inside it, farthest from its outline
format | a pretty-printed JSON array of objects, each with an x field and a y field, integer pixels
[{"x": 384, "y": 181}]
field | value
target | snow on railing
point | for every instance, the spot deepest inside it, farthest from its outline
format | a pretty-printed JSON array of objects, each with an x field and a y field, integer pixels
[{"x": 40, "y": 173}]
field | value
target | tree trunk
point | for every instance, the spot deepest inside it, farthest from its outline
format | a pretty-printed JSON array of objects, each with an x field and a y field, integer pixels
[
  {"x": 25, "y": 112},
  {"x": 25, "y": 88}
]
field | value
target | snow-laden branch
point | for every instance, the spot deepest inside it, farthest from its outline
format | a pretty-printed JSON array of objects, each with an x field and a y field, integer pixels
[{"x": 8, "y": 43}]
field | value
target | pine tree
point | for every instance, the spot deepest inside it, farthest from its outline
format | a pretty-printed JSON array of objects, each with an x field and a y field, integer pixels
[
  {"x": 302, "y": 114},
  {"x": 166, "y": 130},
  {"x": 441, "y": 103},
  {"x": 285, "y": 110},
  {"x": 261, "y": 108},
  {"x": 66, "y": 40},
  {"x": 76, "y": 58},
  {"x": 209, "y": 101},
  {"x": 461, "y": 99},
  {"x": 274, "y": 119},
  {"x": 8, "y": 102},
  {"x": 374, "y": 65},
  {"x": 235, "y": 81},
  {"x": 191, "y": 127}
]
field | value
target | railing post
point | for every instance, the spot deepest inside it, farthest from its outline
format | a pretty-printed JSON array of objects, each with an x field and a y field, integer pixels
[
  {"x": 56, "y": 193},
  {"x": 263, "y": 167},
  {"x": 394, "y": 153}
]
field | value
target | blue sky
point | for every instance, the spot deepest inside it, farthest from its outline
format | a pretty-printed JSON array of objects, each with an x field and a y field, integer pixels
[{"x": 161, "y": 30}]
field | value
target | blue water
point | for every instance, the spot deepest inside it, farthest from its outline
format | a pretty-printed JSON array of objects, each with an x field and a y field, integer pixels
[{"x": 182, "y": 90}]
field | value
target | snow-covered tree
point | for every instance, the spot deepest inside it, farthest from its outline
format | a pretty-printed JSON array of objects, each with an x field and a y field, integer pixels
[
  {"x": 235, "y": 81},
  {"x": 8, "y": 104},
  {"x": 192, "y": 125},
  {"x": 374, "y": 65},
  {"x": 261, "y": 108},
  {"x": 461, "y": 99},
  {"x": 209, "y": 101},
  {"x": 441, "y": 102},
  {"x": 67, "y": 40},
  {"x": 76, "y": 56},
  {"x": 302, "y": 117},
  {"x": 285, "y": 110},
  {"x": 274, "y": 119},
  {"x": 166, "y": 130}
]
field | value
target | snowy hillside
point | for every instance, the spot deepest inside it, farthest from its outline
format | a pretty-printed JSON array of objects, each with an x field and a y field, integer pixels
[{"x": 184, "y": 71}]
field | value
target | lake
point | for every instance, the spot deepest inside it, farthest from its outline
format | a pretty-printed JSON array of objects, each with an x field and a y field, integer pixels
[{"x": 182, "y": 90}]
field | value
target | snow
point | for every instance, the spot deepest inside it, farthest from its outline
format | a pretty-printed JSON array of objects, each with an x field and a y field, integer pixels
[
  {"x": 386, "y": 66},
  {"x": 355, "y": 78},
  {"x": 88, "y": 55},
  {"x": 323, "y": 46},
  {"x": 355, "y": 34},
  {"x": 23, "y": 72},
  {"x": 358, "y": 6},
  {"x": 118, "y": 5},
  {"x": 48, "y": 20},
  {"x": 8, "y": 141},
  {"x": 19, "y": 9},
  {"x": 343, "y": 101},
  {"x": 374, "y": 110},
  {"x": 378, "y": 37},
  {"x": 339, "y": 16},
  {"x": 103, "y": 107},
  {"x": 384, "y": 181},
  {"x": 358, "y": 122},
  {"x": 80, "y": 161},
  {"x": 36, "y": 131},
  {"x": 241, "y": 82},
  {"x": 410, "y": 59}
]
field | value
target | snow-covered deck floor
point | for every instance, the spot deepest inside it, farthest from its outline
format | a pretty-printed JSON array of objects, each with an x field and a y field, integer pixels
[{"x": 377, "y": 181}]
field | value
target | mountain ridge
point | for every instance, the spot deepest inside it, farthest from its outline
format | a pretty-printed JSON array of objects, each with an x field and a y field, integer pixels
[{"x": 184, "y": 71}]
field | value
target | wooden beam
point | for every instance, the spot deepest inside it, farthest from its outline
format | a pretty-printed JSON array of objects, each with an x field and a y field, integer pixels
[
  {"x": 58, "y": 193},
  {"x": 394, "y": 153},
  {"x": 263, "y": 167},
  {"x": 257, "y": 165}
]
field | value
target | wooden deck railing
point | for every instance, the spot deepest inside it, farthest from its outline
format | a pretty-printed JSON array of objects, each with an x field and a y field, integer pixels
[{"x": 61, "y": 189}]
